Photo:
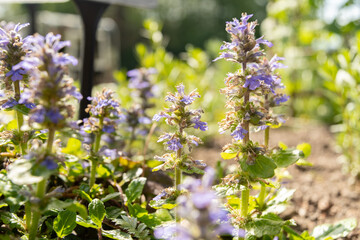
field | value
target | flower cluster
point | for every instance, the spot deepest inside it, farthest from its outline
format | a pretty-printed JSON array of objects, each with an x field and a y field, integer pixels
[
  {"x": 13, "y": 47},
  {"x": 257, "y": 77},
  {"x": 105, "y": 113},
  {"x": 50, "y": 87},
  {"x": 178, "y": 115},
  {"x": 142, "y": 86},
  {"x": 202, "y": 216}
]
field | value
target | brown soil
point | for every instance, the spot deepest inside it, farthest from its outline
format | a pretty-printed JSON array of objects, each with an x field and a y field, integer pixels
[{"x": 324, "y": 193}]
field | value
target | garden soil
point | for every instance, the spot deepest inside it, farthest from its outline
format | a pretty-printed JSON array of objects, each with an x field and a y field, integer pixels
[{"x": 324, "y": 193}]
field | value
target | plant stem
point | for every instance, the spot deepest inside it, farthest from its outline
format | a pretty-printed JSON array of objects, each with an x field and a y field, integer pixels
[
  {"x": 36, "y": 214},
  {"x": 245, "y": 194},
  {"x": 262, "y": 196},
  {"x": 177, "y": 183},
  {"x": 99, "y": 234},
  {"x": 40, "y": 191},
  {"x": 95, "y": 151},
  {"x": 20, "y": 119},
  {"x": 28, "y": 215},
  {"x": 262, "y": 193}
]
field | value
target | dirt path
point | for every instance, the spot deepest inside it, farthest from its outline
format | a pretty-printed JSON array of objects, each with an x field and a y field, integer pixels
[{"x": 324, "y": 194}]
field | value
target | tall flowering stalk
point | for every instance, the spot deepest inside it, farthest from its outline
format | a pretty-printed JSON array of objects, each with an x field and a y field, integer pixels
[
  {"x": 142, "y": 92},
  {"x": 251, "y": 93},
  {"x": 179, "y": 142},
  {"x": 50, "y": 89},
  {"x": 13, "y": 48},
  {"x": 105, "y": 115}
]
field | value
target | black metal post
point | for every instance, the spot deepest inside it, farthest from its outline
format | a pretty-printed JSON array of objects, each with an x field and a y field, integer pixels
[
  {"x": 32, "y": 9},
  {"x": 91, "y": 13}
]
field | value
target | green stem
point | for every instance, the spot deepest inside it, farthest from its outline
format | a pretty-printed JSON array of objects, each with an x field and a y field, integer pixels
[
  {"x": 262, "y": 196},
  {"x": 36, "y": 214},
  {"x": 28, "y": 215},
  {"x": 40, "y": 191},
  {"x": 245, "y": 194},
  {"x": 20, "y": 119},
  {"x": 95, "y": 151},
  {"x": 177, "y": 183}
]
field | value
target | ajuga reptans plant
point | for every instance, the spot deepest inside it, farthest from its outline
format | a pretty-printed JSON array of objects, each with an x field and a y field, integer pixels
[{"x": 251, "y": 94}]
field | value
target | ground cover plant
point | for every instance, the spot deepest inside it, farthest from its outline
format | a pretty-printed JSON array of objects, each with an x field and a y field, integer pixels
[{"x": 93, "y": 178}]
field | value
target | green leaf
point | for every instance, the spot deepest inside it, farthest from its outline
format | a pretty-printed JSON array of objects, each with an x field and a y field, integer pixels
[
  {"x": 21, "y": 109},
  {"x": 83, "y": 195},
  {"x": 110, "y": 196},
  {"x": 13, "y": 220},
  {"x": 135, "y": 189},
  {"x": 97, "y": 212},
  {"x": 85, "y": 223},
  {"x": 269, "y": 224},
  {"x": 131, "y": 174},
  {"x": 73, "y": 146},
  {"x": 337, "y": 230},
  {"x": 114, "y": 212},
  {"x": 305, "y": 148},
  {"x": 278, "y": 204},
  {"x": 116, "y": 234},
  {"x": 64, "y": 223},
  {"x": 163, "y": 215},
  {"x": 284, "y": 158},
  {"x": 228, "y": 155},
  {"x": 263, "y": 167}
]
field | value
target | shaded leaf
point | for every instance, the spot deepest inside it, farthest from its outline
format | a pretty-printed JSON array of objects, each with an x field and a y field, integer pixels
[
  {"x": 97, "y": 212},
  {"x": 64, "y": 223},
  {"x": 135, "y": 189}
]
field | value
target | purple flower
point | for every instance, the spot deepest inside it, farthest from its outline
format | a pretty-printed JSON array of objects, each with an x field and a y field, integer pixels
[
  {"x": 239, "y": 133},
  {"x": 49, "y": 163},
  {"x": 174, "y": 144},
  {"x": 54, "y": 115},
  {"x": 108, "y": 129},
  {"x": 16, "y": 75},
  {"x": 200, "y": 125},
  {"x": 281, "y": 99},
  {"x": 110, "y": 153},
  {"x": 263, "y": 41},
  {"x": 161, "y": 195},
  {"x": 172, "y": 232},
  {"x": 144, "y": 120},
  {"x": 38, "y": 115},
  {"x": 202, "y": 200},
  {"x": 252, "y": 82},
  {"x": 157, "y": 117},
  {"x": 9, "y": 104}
]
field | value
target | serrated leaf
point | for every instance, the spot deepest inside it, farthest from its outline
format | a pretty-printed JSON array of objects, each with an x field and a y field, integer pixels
[
  {"x": 110, "y": 196},
  {"x": 263, "y": 167},
  {"x": 97, "y": 212},
  {"x": 64, "y": 223},
  {"x": 337, "y": 230},
  {"x": 284, "y": 158},
  {"x": 13, "y": 220},
  {"x": 135, "y": 189},
  {"x": 116, "y": 234},
  {"x": 227, "y": 190},
  {"x": 114, "y": 212}
]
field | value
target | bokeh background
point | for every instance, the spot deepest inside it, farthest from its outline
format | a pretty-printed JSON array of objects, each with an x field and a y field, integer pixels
[{"x": 320, "y": 40}]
